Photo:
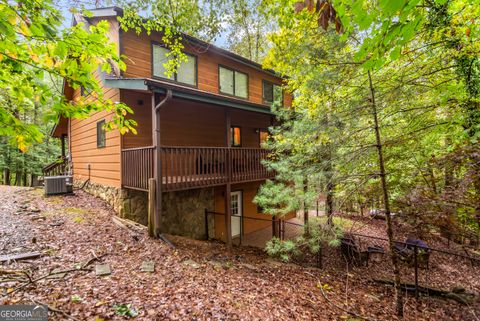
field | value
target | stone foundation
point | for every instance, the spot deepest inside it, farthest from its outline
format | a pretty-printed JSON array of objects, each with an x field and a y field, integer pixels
[
  {"x": 183, "y": 212},
  {"x": 127, "y": 203}
]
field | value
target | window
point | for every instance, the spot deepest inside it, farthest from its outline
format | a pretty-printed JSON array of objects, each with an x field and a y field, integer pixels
[
  {"x": 235, "y": 136},
  {"x": 263, "y": 136},
  {"x": 101, "y": 137},
  {"x": 186, "y": 72},
  {"x": 272, "y": 94},
  {"x": 232, "y": 82},
  {"x": 84, "y": 91}
]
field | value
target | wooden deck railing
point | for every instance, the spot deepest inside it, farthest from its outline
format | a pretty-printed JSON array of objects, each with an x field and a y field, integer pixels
[
  {"x": 56, "y": 168},
  {"x": 193, "y": 167},
  {"x": 137, "y": 167}
]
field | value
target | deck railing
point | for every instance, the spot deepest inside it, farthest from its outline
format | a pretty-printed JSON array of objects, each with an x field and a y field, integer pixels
[
  {"x": 192, "y": 167},
  {"x": 137, "y": 167},
  {"x": 56, "y": 168}
]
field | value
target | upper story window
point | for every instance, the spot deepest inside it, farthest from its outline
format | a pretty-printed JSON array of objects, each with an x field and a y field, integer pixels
[
  {"x": 272, "y": 94},
  {"x": 232, "y": 82},
  {"x": 186, "y": 73},
  {"x": 101, "y": 136}
]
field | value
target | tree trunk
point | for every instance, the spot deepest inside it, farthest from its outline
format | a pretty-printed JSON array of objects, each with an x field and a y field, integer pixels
[
  {"x": 386, "y": 200},
  {"x": 6, "y": 176},
  {"x": 305, "y": 209}
]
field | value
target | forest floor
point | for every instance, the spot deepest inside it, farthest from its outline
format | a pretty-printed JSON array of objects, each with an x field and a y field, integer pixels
[{"x": 197, "y": 280}]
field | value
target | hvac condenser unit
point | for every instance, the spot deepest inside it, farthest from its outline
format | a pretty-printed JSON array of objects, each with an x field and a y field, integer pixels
[{"x": 58, "y": 185}]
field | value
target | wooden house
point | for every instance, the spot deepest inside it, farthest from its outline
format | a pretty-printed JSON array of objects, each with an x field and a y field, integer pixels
[{"x": 199, "y": 135}]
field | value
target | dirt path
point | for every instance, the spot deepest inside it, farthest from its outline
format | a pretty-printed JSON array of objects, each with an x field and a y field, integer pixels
[{"x": 196, "y": 281}]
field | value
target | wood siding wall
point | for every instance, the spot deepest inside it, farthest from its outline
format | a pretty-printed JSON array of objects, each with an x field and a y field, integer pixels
[
  {"x": 249, "y": 190},
  {"x": 104, "y": 162},
  {"x": 186, "y": 123},
  {"x": 141, "y": 103},
  {"x": 138, "y": 50}
]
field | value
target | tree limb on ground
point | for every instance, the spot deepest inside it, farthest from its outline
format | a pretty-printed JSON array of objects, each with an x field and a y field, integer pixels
[
  {"x": 52, "y": 309},
  {"x": 83, "y": 267},
  {"x": 460, "y": 297},
  {"x": 338, "y": 306}
]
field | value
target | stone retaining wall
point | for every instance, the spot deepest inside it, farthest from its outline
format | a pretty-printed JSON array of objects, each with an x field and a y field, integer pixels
[{"x": 183, "y": 211}]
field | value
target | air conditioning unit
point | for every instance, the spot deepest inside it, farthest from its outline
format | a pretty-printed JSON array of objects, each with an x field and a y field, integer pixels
[{"x": 55, "y": 185}]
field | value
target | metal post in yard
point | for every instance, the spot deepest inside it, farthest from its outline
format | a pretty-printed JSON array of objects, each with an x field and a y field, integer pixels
[
  {"x": 415, "y": 261},
  {"x": 274, "y": 226},
  {"x": 241, "y": 229},
  {"x": 206, "y": 224},
  {"x": 151, "y": 207}
]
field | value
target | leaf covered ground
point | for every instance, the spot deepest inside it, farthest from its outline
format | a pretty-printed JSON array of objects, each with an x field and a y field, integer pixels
[{"x": 195, "y": 281}]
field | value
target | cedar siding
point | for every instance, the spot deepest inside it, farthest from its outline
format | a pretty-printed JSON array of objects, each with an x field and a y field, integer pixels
[
  {"x": 104, "y": 162},
  {"x": 138, "y": 49}
]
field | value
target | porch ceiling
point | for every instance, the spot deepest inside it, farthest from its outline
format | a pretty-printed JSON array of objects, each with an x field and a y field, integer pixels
[{"x": 184, "y": 92}]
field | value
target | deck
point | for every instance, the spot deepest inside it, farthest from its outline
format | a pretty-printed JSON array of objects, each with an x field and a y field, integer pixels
[{"x": 193, "y": 167}]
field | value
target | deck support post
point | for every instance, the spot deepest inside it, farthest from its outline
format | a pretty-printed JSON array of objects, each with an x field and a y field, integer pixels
[
  {"x": 228, "y": 186},
  {"x": 151, "y": 207},
  {"x": 158, "y": 162},
  {"x": 228, "y": 215}
]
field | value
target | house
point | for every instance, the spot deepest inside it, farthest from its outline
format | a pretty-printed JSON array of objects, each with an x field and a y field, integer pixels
[{"x": 199, "y": 136}]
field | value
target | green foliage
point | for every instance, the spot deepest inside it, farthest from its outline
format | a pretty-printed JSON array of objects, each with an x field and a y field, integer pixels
[
  {"x": 316, "y": 234},
  {"x": 125, "y": 310},
  {"x": 174, "y": 19},
  {"x": 423, "y": 61},
  {"x": 35, "y": 52}
]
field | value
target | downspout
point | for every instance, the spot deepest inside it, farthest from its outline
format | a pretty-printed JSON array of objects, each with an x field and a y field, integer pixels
[{"x": 158, "y": 162}]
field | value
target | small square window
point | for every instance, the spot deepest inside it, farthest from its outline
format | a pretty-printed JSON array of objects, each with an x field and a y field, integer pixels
[
  {"x": 84, "y": 91},
  {"x": 263, "y": 136},
  {"x": 101, "y": 136},
  {"x": 236, "y": 136}
]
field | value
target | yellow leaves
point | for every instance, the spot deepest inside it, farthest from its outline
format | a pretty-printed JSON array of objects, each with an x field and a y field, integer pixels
[
  {"x": 13, "y": 20},
  {"x": 324, "y": 287},
  {"x": 21, "y": 144},
  {"x": 48, "y": 61}
]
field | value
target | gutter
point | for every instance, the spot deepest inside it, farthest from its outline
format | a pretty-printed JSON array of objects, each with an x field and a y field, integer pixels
[{"x": 158, "y": 162}]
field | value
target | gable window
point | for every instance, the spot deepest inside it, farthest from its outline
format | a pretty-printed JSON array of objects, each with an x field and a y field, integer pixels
[
  {"x": 101, "y": 137},
  {"x": 232, "y": 82},
  {"x": 272, "y": 94},
  {"x": 186, "y": 73},
  {"x": 235, "y": 136}
]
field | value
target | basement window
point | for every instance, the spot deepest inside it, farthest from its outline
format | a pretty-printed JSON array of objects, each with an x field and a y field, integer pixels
[{"x": 101, "y": 136}]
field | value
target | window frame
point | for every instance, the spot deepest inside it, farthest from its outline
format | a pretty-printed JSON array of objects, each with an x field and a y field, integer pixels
[
  {"x": 273, "y": 93},
  {"x": 260, "y": 131},
  {"x": 152, "y": 60},
  {"x": 84, "y": 92},
  {"x": 101, "y": 126},
  {"x": 233, "y": 71},
  {"x": 232, "y": 133}
]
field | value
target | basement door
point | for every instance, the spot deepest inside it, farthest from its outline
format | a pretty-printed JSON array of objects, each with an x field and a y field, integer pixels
[{"x": 237, "y": 212}]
